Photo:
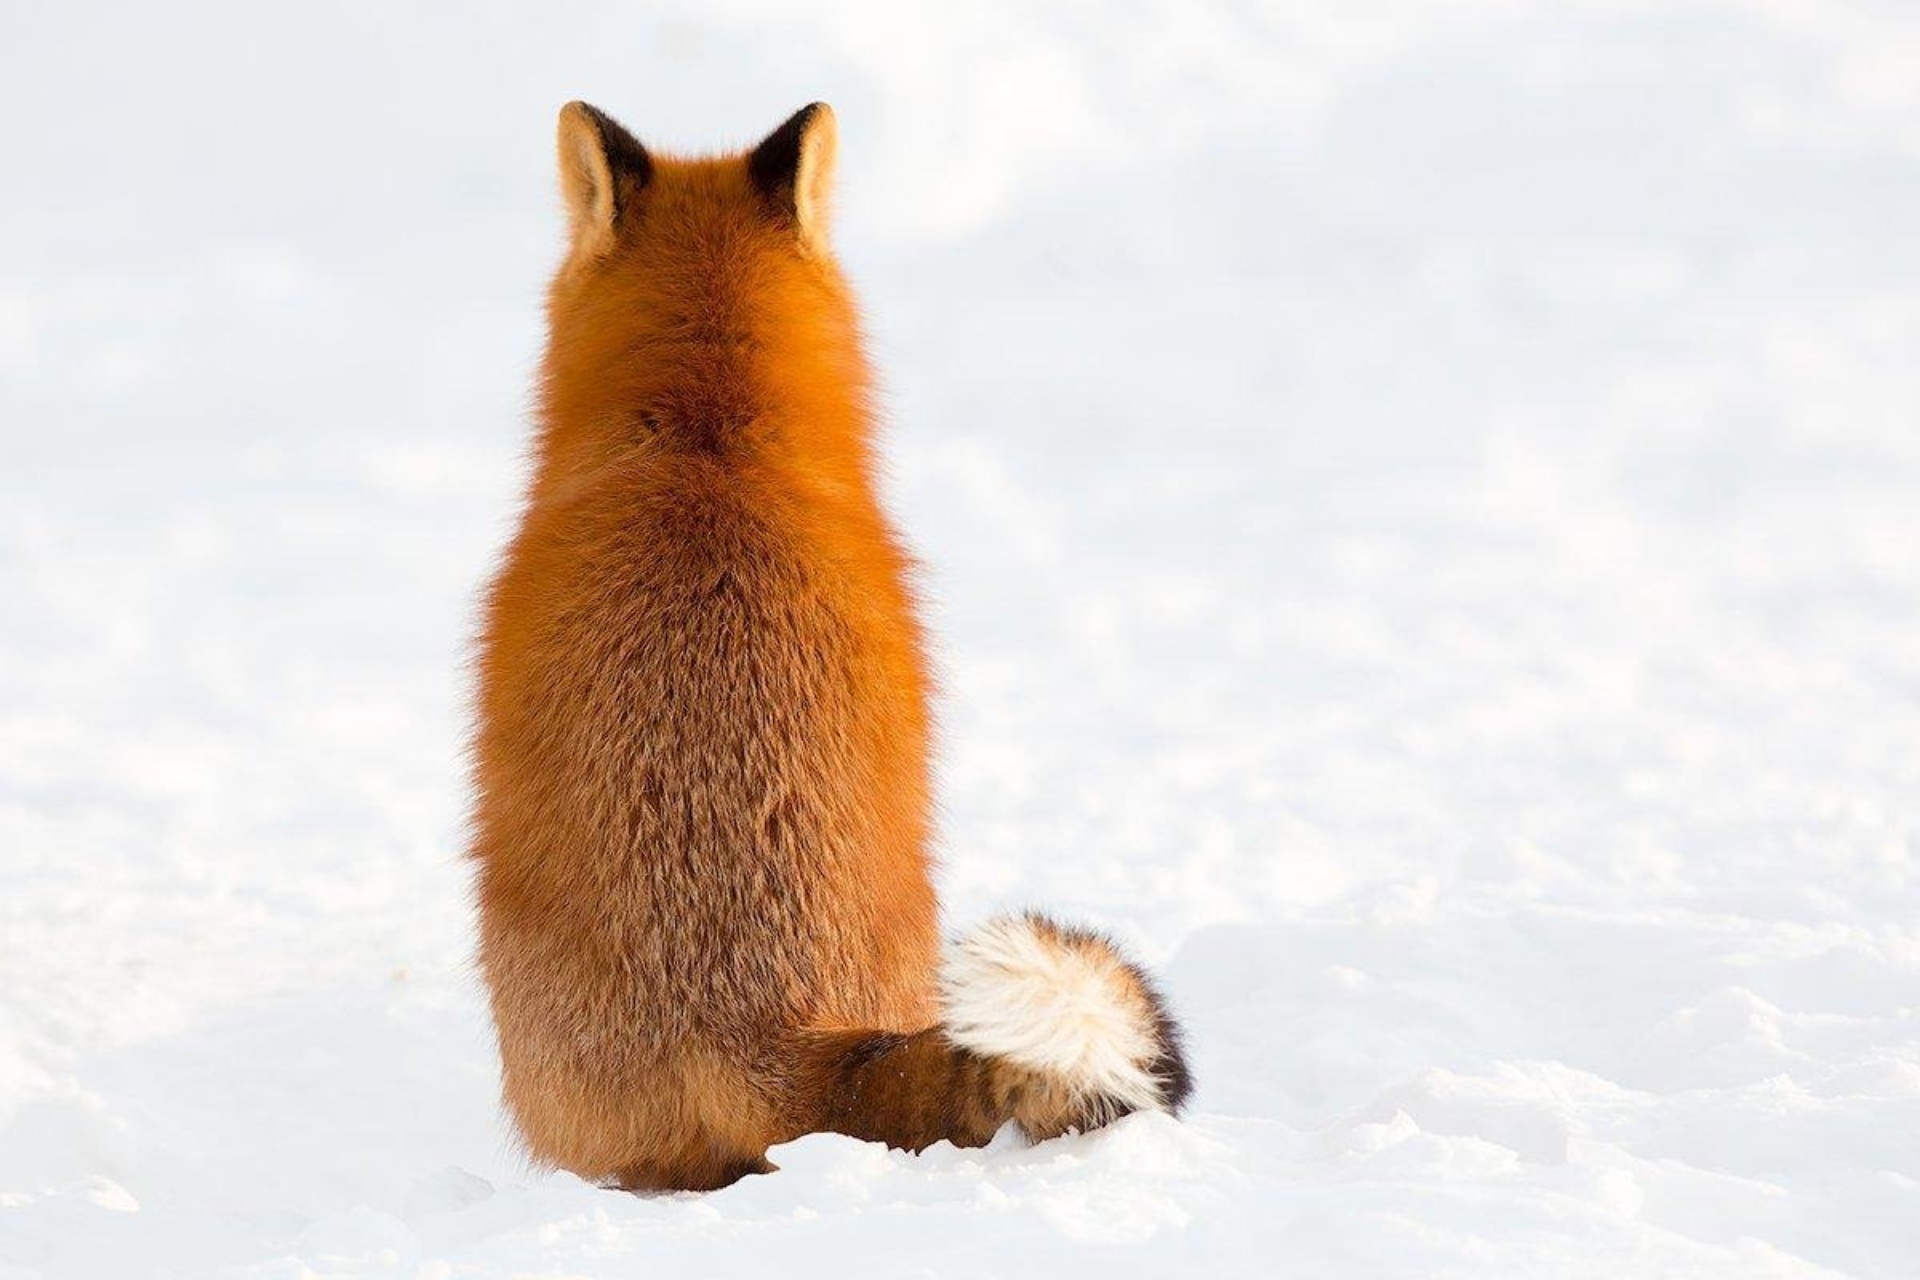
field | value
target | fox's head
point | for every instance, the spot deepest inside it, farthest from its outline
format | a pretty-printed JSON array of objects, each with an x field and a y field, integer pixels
[{"x": 699, "y": 303}]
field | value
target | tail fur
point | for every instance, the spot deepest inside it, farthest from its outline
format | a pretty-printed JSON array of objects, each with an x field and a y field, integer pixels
[{"x": 1047, "y": 1026}]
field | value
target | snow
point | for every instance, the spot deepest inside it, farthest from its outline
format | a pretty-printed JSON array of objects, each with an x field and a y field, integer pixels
[{"x": 1421, "y": 507}]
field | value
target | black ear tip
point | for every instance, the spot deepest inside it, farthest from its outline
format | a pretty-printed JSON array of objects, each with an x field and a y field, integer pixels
[
  {"x": 805, "y": 118},
  {"x": 594, "y": 115},
  {"x": 775, "y": 161},
  {"x": 623, "y": 151}
]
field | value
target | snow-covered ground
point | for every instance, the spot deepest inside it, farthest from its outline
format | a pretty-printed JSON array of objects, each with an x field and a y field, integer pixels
[{"x": 1422, "y": 507}]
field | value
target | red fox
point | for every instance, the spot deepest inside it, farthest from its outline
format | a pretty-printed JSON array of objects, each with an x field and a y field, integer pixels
[{"x": 701, "y": 826}]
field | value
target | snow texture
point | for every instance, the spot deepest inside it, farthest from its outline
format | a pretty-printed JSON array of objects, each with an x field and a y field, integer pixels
[{"x": 1421, "y": 510}]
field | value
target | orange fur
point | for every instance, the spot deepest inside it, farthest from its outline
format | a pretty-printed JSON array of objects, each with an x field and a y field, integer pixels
[{"x": 702, "y": 810}]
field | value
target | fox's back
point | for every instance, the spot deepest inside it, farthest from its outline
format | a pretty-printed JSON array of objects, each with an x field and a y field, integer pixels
[{"x": 702, "y": 746}]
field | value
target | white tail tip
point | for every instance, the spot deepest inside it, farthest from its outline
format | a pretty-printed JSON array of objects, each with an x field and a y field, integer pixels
[{"x": 1066, "y": 1003}]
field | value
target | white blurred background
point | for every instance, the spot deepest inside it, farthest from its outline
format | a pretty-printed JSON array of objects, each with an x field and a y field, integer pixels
[{"x": 1421, "y": 509}]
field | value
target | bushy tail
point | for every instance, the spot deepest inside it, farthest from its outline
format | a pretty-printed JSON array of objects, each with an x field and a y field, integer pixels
[{"x": 1047, "y": 1026}]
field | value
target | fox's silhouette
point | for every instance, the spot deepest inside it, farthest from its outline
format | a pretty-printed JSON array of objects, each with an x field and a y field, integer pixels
[{"x": 701, "y": 760}]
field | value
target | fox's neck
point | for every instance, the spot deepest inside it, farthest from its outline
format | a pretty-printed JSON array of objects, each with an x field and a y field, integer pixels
[{"x": 701, "y": 382}]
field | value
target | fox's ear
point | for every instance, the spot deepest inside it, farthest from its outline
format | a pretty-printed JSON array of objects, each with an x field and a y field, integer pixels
[
  {"x": 602, "y": 169},
  {"x": 794, "y": 167}
]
